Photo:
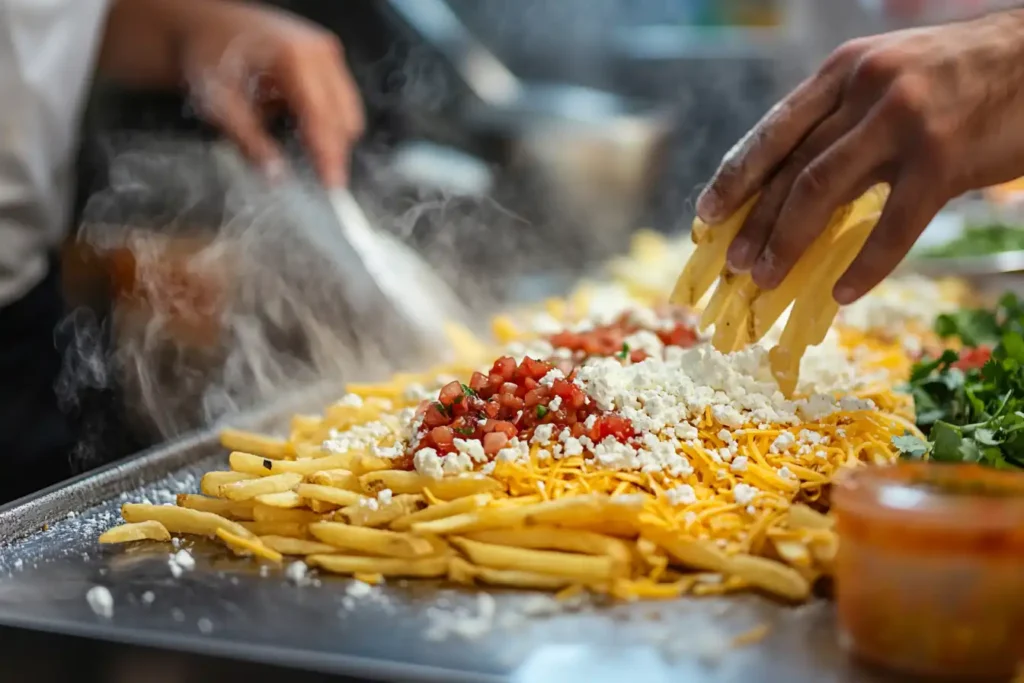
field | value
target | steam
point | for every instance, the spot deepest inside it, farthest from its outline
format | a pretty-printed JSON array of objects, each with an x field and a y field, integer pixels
[{"x": 229, "y": 296}]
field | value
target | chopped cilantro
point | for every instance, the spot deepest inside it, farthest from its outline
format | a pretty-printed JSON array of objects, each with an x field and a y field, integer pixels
[
  {"x": 624, "y": 353},
  {"x": 465, "y": 431},
  {"x": 542, "y": 411},
  {"x": 973, "y": 414},
  {"x": 468, "y": 391},
  {"x": 442, "y": 408}
]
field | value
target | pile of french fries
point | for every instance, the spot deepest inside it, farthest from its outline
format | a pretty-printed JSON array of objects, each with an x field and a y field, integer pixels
[
  {"x": 284, "y": 498},
  {"x": 742, "y": 313}
]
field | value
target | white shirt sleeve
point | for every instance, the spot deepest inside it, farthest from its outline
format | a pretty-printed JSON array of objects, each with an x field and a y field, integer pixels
[{"x": 47, "y": 57}]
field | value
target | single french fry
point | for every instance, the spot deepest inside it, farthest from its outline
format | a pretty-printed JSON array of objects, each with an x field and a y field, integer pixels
[
  {"x": 792, "y": 552},
  {"x": 178, "y": 520},
  {"x": 774, "y": 577},
  {"x": 336, "y": 478},
  {"x": 321, "y": 507},
  {"x": 248, "y": 546},
  {"x": 212, "y": 481},
  {"x": 289, "y": 529},
  {"x": 264, "y": 467},
  {"x": 392, "y": 391},
  {"x": 574, "y": 508},
  {"x": 236, "y": 510},
  {"x": 150, "y": 530},
  {"x": 249, "y": 442},
  {"x": 554, "y": 538},
  {"x": 371, "y": 541},
  {"x": 690, "y": 553},
  {"x": 583, "y": 568},
  {"x": 463, "y": 572},
  {"x": 800, "y": 516},
  {"x": 247, "y": 490},
  {"x": 287, "y": 545},
  {"x": 448, "y": 488},
  {"x": 425, "y": 567},
  {"x": 329, "y": 494},
  {"x": 383, "y": 513},
  {"x": 303, "y": 428},
  {"x": 287, "y": 500},
  {"x": 442, "y": 510},
  {"x": 708, "y": 258},
  {"x": 266, "y": 513},
  {"x": 364, "y": 463}
]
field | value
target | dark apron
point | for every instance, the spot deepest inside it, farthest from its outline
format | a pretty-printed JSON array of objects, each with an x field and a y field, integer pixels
[{"x": 36, "y": 435}]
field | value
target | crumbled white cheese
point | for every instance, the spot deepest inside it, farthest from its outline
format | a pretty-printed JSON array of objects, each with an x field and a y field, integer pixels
[
  {"x": 101, "y": 602},
  {"x": 472, "y": 448},
  {"x": 359, "y": 589},
  {"x": 744, "y": 494},
  {"x": 297, "y": 573},
  {"x": 543, "y": 433},
  {"x": 555, "y": 403},
  {"x": 739, "y": 464},
  {"x": 681, "y": 495},
  {"x": 783, "y": 442},
  {"x": 148, "y": 597},
  {"x": 384, "y": 496},
  {"x": 427, "y": 462},
  {"x": 785, "y": 473},
  {"x": 204, "y": 625}
]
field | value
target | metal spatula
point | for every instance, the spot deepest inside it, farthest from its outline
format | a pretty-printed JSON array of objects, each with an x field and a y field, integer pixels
[
  {"x": 414, "y": 288},
  {"x": 335, "y": 221}
]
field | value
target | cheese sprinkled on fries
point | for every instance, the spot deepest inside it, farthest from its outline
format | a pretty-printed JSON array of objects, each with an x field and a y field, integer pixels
[{"x": 609, "y": 448}]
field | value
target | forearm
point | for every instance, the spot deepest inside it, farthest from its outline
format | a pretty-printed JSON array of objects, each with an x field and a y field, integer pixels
[{"x": 141, "y": 45}]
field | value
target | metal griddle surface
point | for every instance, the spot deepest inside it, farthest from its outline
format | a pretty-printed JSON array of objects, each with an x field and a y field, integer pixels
[{"x": 401, "y": 631}]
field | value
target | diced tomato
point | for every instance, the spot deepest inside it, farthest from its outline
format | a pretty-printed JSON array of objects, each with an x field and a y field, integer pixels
[
  {"x": 450, "y": 393},
  {"x": 615, "y": 426},
  {"x": 973, "y": 359},
  {"x": 494, "y": 442}
]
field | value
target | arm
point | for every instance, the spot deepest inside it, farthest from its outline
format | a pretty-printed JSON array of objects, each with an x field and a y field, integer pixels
[
  {"x": 932, "y": 112},
  {"x": 219, "y": 50},
  {"x": 142, "y": 45}
]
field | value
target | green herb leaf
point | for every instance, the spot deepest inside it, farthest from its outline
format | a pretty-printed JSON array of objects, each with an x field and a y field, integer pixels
[
  {"x": 911, "y": 447},
  {"x": 468, "y": 391},
  {"x": 624, "y": 353},
  {"x": 542, "y": 411}
]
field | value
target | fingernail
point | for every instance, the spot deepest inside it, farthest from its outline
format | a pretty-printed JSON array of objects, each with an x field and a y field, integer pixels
[
  {"x": 709, "y": 206},
  {"x": 844, "y": 295},
  {"x": 739, "y": 255},
  {"x": 764, "y": 271}
]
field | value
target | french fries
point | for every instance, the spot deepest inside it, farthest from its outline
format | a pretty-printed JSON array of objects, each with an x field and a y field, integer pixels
[
  {"x": 399, "y": 481},
  {"x": 150, "y": 530},
  {"x": 236, "y": 510},
  {"x": 264, "y": 446},
  {"x": 243, "y": 545},
  {"x": 329, "y": 494},
  {"x": 264, "y": 467},
  {"x": 178, "y": 520},
  {"x": 424, "y": 568},
  {"x": 742, "y": 314},
  {"x": 250, "y": 488},
  {"x": 582, "y": 568},
  {"x": 377, "y": 542}
]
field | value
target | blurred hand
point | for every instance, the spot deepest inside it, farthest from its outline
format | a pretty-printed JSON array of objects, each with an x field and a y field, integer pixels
[
  {"x": 242, "y": 61},
  {"x": 933, "y": 112}
]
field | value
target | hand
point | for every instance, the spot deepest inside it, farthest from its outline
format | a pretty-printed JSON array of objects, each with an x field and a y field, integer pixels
[
  {"x": 932, "y": 112},
  {"x": 241, "y": 60}
]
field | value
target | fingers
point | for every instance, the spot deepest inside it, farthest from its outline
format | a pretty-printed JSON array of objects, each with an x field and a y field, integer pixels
[
  {"x": 909, "y": 210},
  {"x": 320, "y": 92},
  {"x": 751, "y": 240},
  {"x": 748, "y": 165},
  {"x": 234, "y": 113},
  {"x": 843, "y": 171}
]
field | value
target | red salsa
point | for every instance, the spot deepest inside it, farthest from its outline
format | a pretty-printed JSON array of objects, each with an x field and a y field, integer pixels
[
  {"x": 610, "y": 339},
  {"x": 510, "y": 401}
]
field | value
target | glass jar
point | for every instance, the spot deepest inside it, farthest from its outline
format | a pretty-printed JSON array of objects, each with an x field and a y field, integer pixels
[{"x": 930, "y": 569}]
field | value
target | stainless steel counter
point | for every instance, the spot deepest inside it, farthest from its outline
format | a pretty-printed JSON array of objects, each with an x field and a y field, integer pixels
[{"x": 402, "y": 631}]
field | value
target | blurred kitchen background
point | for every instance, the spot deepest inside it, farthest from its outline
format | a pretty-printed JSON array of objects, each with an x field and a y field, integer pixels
[{"x": 515, "y": 144}]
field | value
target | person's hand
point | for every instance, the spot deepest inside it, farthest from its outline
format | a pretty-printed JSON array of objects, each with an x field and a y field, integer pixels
[
  {"x": 242, "y": 61},
  {"x": 932, "y": 112}
]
